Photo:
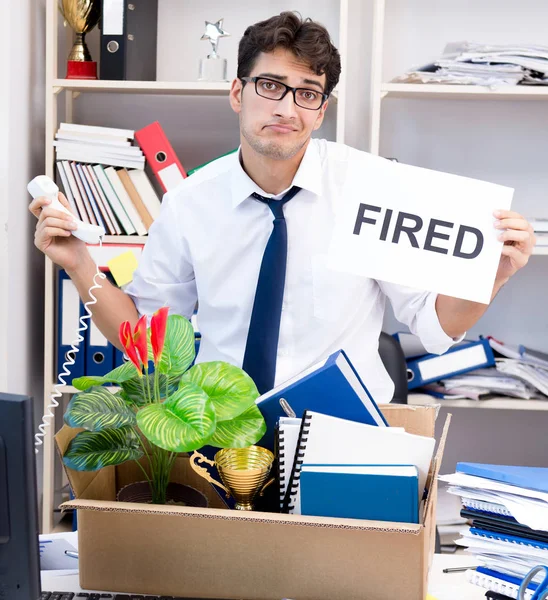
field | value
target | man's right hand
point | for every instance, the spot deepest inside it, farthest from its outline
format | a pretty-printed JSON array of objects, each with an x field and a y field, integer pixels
[{"x": 53, "y": 234}]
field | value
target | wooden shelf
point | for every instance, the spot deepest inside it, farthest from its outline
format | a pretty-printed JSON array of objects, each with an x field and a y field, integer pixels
[
  {"x": 70, "y": 389},
  {"x": 466, "y": 92},
  {"x": 125, "y": 239},
  {"x": 500, "y": 403},
  {"x": 181, "y": 88}
]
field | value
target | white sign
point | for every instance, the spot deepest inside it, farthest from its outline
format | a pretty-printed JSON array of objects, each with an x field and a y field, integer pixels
[{"x": 420, "y": 228}]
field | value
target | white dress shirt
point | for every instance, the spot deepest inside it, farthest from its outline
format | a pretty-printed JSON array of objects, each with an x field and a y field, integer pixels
[{"x": 208, "y": 243}]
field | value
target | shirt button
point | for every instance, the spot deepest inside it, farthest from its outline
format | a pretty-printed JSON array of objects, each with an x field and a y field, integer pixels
[
  {"x": 284, "y": 305},
  {"x": 283, "y": 351}
]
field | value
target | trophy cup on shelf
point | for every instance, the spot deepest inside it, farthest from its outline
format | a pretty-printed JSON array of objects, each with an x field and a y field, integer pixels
[
  {"x": 242, "y": 470},
  {"x": 213, "y": 68},
  {"x": 82, "y": 16}
]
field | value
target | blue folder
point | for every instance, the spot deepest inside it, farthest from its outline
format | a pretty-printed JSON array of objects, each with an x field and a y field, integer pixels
[
  {"x": 99, "y": 352},
  {"x": 333, "y": 388},
  {"x": 504, "y": 577},
  {"x": 371, "y": 492},
  {"x": 531, "y": 478},
  {"x": 456, "y": 361},
  {"x": 69, "y": 310}
]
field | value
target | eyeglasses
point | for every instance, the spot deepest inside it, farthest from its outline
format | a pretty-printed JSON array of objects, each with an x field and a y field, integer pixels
[{"x": 275, "y": 90}]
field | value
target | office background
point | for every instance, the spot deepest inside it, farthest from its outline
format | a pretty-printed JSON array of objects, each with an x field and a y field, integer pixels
[{"x": 500, "y": 141}]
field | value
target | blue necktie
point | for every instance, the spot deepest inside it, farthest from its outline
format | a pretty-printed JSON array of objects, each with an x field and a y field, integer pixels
[{"x": 264, "y": 328}]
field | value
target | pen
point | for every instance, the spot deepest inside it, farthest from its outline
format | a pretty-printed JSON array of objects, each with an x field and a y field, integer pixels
[
  {"x": 71, "y": 554},
  {"x": 457, "y": 569}
]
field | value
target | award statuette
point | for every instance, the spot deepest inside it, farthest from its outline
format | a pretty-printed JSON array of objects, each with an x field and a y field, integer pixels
[
  {"x": 243, "y": 471},
  {"x": 213, "y": 68},
  {"x": 82, "y": 16}
]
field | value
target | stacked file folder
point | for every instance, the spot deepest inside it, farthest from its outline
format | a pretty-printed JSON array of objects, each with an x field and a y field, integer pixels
[{"x": 508, "y": 510}]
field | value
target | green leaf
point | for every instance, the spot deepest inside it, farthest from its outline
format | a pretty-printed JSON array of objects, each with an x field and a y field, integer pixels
[
  {"x": 242, "y": 431},
  {"x": 132, "y": 390},
  {"x": 120, "y": 374},
  {"x": 231, "y": 389},
  {"x": 179, "y": 350},
  {"x": 94, "y": 450},
  {"x": 182, "y": 423},
  {"x": 98, "y": 409}
]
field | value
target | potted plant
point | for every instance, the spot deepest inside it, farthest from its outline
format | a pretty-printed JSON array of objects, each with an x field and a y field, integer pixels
[{"x": 160, "y": 412}]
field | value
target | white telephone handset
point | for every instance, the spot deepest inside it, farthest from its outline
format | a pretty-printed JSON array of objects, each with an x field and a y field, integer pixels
[
  {"x": 44, "y": 186},
  {"x": 91, "y": 234}
]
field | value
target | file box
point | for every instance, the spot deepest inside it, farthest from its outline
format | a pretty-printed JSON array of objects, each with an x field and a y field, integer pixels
[{"x": 219, "y": 553}]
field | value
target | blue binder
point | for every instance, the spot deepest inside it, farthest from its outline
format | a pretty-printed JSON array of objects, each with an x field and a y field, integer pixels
[
  {"x": 69, "y": 310},
  {"x": 332, "y": 387},
  {"x": 532, "y": 478},
  {"x": 456, "y": 361},
  {"x": 99, "y": 352},
  {"x": 371, "y": 492},
  {"x": 119, "y": 359}
]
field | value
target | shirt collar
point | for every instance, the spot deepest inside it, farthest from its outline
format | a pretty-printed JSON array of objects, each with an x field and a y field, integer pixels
[{"x": 307, "y": 177}]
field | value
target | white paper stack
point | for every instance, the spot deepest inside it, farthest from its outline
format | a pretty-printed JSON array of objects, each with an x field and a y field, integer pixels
[{"x": 480, "y": 64}]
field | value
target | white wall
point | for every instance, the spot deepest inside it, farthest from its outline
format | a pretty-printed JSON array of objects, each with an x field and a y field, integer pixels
[
  {"x": 4, "y": 126},
  {"x": 21, "y": 157}
]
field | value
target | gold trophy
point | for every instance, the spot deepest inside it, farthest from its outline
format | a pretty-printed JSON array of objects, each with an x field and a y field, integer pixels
[
  {"x": 242, "y": 470},
  {"x": 82, "y": 16}
]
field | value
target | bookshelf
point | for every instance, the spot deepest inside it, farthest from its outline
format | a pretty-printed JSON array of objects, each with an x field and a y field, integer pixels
[
  {"x": 61, "y": 92},
  {"x": 181, "y": 88},
  {"x": 495, "y": 403}
]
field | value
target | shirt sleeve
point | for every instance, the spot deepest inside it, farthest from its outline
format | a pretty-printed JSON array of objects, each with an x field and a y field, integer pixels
[
  {"x": 165, "y": 275},
  {"x": 417, "y": 310}
]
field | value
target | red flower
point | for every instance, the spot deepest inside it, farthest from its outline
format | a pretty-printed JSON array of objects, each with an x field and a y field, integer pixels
[
  {"x": 140, "y": 339},
  {"x": 126, "y": 339},
  {"x": 158, "y": 326}
]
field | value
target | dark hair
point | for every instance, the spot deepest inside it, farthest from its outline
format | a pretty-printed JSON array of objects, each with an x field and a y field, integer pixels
[{"x": 309, "y": 41}]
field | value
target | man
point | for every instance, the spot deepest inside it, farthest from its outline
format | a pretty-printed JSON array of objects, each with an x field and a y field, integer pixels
[{"x": 209, "y": 241}]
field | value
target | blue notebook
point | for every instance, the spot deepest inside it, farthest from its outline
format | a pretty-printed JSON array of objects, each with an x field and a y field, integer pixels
[
  {"x": 331, "y": 387},
  {"x": 531, "y": 478},
  {"x": 371, "y": 492}
]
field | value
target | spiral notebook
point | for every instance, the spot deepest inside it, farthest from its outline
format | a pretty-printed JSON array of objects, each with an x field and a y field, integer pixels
[
  {"x": 328, "y": 440},
  {"x": 288, "y": 437},
  {"x": 486, "y": 507},
  {"x": 498, "y": 582}
]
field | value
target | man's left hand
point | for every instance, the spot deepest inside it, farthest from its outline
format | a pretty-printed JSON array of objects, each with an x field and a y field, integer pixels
[{"x": 519, "y": 241}]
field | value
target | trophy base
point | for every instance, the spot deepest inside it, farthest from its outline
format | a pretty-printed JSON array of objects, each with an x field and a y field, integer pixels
[
  {"x": 213, "y": 69},
  {"x": 79, "y": 69}
]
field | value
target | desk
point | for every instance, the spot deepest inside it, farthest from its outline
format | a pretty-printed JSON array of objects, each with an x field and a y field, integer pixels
[{"x": 443, "y": 586}]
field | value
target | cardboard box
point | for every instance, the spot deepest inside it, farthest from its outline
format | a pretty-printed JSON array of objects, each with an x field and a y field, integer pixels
[{"x": 220, "y": 553}]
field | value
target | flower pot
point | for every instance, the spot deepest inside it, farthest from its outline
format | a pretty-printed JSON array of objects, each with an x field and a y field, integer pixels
[{"x": 176, "y": 493}]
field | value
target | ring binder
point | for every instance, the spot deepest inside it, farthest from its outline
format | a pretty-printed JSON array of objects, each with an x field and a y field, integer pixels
[
  {"x": 491, "y": 580},
  {"x": 487, "y": 507},
  {"x": 293, "y": 487}
]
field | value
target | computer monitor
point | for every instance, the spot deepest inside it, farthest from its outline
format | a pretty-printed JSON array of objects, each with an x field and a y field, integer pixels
[{"x": 19, "y": 549}]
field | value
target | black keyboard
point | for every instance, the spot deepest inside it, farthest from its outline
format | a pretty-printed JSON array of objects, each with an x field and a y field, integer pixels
[{"x": 92, "y": 596}]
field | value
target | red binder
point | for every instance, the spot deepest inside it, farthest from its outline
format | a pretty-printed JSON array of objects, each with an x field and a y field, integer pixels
[{"x": 160, "y": 156}]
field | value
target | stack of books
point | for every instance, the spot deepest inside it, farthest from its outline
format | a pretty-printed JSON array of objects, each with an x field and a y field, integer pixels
[
  {"x": 103, "y": 178},
  {"x": 339, "y": 458},
  {"x": 508, "y": 510}
]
